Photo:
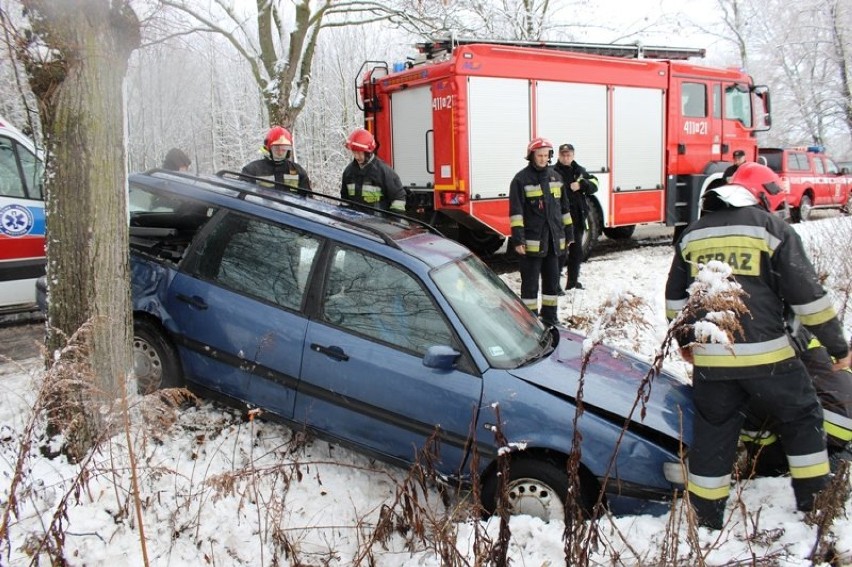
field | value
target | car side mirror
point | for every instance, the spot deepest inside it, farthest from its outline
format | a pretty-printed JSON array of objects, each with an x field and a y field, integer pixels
[{"x": 441, "y": 357}]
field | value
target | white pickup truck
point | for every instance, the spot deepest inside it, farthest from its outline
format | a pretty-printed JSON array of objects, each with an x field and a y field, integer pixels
[{"x": 22, "y": 257}]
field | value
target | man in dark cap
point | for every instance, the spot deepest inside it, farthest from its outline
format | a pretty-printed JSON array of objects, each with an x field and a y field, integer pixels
[
  {"x": 578, "y": 183},
  {"x": 739, "y": 159}
]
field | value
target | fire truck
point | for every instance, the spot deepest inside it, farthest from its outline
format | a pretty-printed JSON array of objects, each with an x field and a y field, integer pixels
[{"x": 654, "y": 129}]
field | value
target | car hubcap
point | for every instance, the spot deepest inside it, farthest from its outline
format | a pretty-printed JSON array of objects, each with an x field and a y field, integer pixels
[
  {"x": 535, "y": 498},
  {"x": 147, "y": 366}
]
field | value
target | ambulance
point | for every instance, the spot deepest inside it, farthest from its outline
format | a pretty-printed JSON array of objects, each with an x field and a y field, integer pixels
[{"x": 22, "y": 256}]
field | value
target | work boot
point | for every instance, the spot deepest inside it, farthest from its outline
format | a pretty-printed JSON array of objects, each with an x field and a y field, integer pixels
[
  {"x": 709, "y": 513},
  {"x": 806, "y": 490},
  {"x": 837, "y": 455}
]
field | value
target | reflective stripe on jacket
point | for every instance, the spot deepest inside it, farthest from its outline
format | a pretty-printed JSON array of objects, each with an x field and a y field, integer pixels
[
  {"x": 539, "y": 211},
  {"x": 768, "y": 260},
  {"x": 375, "y": 184}
]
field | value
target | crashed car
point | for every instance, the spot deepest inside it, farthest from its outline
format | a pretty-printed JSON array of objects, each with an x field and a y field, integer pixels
[{"x": 374, "y": 331}]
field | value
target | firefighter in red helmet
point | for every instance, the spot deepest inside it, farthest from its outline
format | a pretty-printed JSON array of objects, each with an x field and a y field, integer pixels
[
  {"x": 540, "y": 218},
  {"x": 759, "y": 369},
  {"x": 369, "y": 180},
  {"x": 277, "y": 163}
]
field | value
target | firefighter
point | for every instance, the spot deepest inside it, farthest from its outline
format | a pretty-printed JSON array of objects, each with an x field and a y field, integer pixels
[
  {"x": 540, "y": 218},
  {"x": 580, "y": 183},
  {"x": 759, "y": 368},
  {"x": 277, "y": 162},
  {"x": 834, "y": 389},
  {"x": 369, "y": 180},
  {"x": 739, "y": 159}
]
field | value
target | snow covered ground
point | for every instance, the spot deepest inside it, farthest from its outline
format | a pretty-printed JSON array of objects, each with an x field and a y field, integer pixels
[{"x": 217, "y": 489}]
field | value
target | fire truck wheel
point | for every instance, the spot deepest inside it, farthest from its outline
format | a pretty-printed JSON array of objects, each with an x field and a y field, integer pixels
[
  {"x": 620, "y": 232},
  {"x": 481, "y": 243},
  {"x": 594, "y": 222}
]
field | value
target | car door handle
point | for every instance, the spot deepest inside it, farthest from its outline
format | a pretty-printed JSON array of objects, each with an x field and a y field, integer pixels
[
  {"x": 194, "y": 301},
  {"x": 334, "y": 352}
]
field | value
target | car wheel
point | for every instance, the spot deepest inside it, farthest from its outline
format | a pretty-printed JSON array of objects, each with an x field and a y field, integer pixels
[
  {"x": 155, "y": 361},
  {"x": 537, "y": 487},
  {"x": 805, "y": 208}
]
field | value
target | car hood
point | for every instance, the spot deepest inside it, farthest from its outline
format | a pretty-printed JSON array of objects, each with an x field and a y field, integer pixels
[{"x": 612, "y": 381}]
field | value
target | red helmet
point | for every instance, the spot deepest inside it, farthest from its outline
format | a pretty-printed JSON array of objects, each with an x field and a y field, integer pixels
[
  {"x": 361, "y": 140},
  {"x": 277, "y": 135},
  {"x": 761, "y": 182},
  {"x": 537, "y": 144}
]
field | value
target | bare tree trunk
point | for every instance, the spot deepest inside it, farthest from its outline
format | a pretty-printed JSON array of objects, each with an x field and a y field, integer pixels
[{"x": 82, "y": 113}]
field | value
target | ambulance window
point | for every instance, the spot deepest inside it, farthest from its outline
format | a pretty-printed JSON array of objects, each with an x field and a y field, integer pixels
[
  {"x": 33, "y": 170},
  {"x": 693, "y": 98},
  {"x": 10, "y": 177}
]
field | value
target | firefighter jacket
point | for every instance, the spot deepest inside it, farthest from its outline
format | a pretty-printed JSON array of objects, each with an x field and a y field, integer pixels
[
  {"x": 588, "y": 185},
  {"x": 286, "y": 172},
  {"x": 539, "y": 212},
  {"x": 375, "y": 184},
  {"x": 769, "y": 262}
]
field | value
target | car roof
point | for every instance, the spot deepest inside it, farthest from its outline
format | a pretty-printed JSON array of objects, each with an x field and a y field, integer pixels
[{"x": 231, "y": 189}]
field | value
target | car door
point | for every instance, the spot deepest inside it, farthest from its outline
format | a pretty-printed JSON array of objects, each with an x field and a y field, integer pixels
[
  {"x": 363, "y": 378},
  {"x": 237, "y": 309}
]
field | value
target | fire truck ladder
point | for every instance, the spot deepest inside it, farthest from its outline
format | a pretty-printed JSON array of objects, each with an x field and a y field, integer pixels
[{"x": 439, "y": 46}]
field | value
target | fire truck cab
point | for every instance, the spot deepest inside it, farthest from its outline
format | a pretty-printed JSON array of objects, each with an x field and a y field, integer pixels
[
  {"x": 22, "y": 257},
  {"x": 654, "y": 129}
]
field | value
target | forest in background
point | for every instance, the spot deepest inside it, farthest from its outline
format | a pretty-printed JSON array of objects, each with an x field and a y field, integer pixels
[{"x": 194, "y": 88}]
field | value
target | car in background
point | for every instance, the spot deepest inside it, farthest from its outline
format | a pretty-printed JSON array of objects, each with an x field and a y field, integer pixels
[
  {"x": 374, "y": 331},
  {"x": 22, "y": 258},
  {"x": 811, "y": 179}
]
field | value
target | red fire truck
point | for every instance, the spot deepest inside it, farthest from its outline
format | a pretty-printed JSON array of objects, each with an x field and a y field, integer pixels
[{"x": 653, "y": 128}]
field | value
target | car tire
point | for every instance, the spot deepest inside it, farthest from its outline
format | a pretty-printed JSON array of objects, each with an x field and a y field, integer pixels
[
  {"x": 155, "y": 360},
  {"x": 537, "y": 487},
  {"x": 803, "y": 211}
]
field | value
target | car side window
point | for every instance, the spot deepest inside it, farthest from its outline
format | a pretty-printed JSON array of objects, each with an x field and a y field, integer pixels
[
  {"x": 374, "y": 298},
  {"x": 818, "y": 165},
  {"x": 798, "y": 162},
  {"x": 260, "y": 259},
  {"x": 831, "y": 167}
]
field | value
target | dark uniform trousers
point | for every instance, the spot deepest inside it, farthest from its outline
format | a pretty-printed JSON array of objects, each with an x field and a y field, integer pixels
[
  {"x": 547, "y": 268},
  {"x": 787, "y": 393}
]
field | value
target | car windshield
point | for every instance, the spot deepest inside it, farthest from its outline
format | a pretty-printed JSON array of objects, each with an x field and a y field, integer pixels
[{"x": 506, "y": 332}]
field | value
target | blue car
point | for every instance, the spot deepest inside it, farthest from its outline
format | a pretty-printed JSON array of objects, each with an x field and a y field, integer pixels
[{"x": 374, "y": 331}]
